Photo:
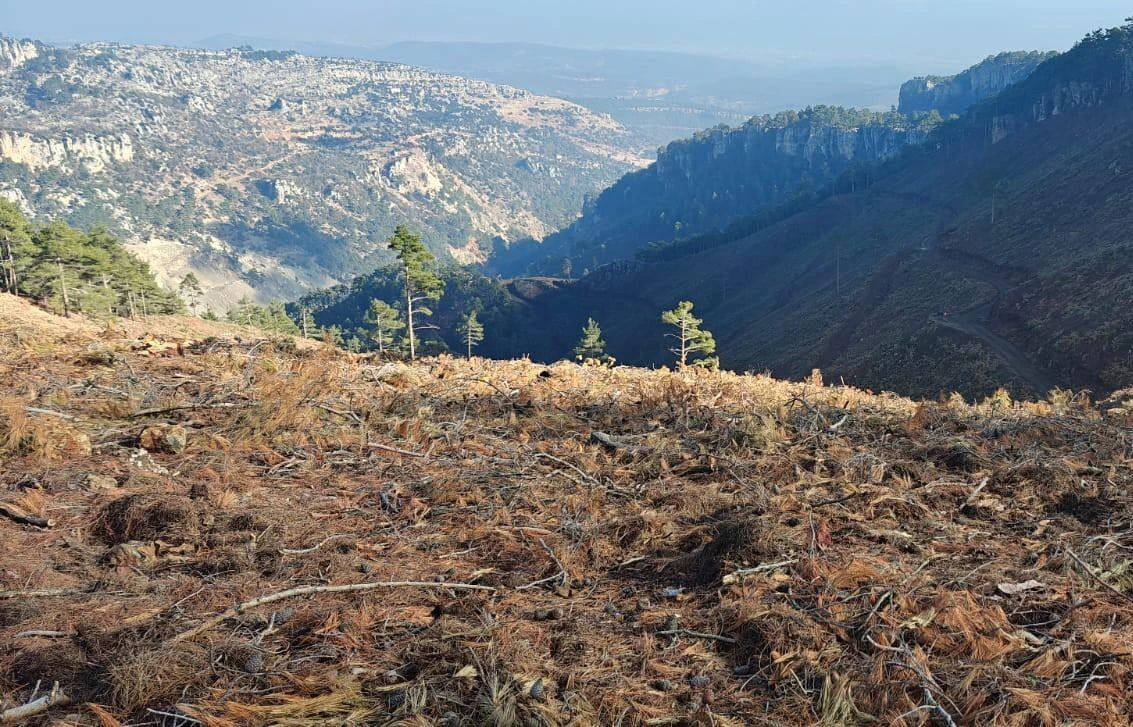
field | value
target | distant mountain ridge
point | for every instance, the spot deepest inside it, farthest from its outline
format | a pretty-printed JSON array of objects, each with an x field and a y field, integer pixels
[
  {"x": 662, "y": 96},
  {"x": 269, "y": 173},
  {"x": 701, "y": 185}
]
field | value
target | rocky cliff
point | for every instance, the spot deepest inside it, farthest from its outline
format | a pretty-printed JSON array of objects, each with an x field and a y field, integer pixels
[
  {"x": 269, "y": 172},
  {"x": 702, "y": 184},
  {"x": 90, "y": 153},
  {"x": 15, "y": 53},
  {"x": 955, "y": 94}
]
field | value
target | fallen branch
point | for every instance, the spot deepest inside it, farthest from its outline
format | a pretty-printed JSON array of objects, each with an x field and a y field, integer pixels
[
  {"x": 975, "y": 493},
  {"x": 765, "y": 568},
  {"x": 313, "y": 590},
  {"x": 620, "y": 444},
  {"x": 934, "y": 705},
  {"x": 395, "y": 450},
  {"x": 184, "y": 407},
  {"x": 1096, "y": 577},
  {"x": 49, "y": 593},
  {"x": 48, "y": 412},
  {"x": 345, "y": 414},
  {"x": 562, "y": 576},
  {"x": 36, "y": 707},
  {"x": 697, "y": 635},
  {"x": 312, "y": 549},
  {"x": 564, "y": 463},
  {"x": 12, "y": 512},
  {"x": 43, "y": 634}
]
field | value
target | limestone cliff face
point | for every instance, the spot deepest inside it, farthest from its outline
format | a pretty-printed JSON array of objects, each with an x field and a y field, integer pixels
[
  {"x": 702, "y": 184},
  {"x": 15, "y": 53},
  {"x": 1096, "y": 72},
  {"x": 91, "y": 153},
  {"x": 955, "y": 94}
]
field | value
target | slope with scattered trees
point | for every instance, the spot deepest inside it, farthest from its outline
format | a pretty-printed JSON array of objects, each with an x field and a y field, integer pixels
[
  {"x": 1032, "y": 183},
  {"x": 74, "y": 271}
]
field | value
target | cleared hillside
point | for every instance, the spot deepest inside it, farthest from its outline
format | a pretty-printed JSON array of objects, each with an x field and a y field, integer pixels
[{"x": 244, "y": 536}]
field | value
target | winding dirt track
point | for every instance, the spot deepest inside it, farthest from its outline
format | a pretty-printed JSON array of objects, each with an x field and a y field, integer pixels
[{"x": 973, "y": 321}]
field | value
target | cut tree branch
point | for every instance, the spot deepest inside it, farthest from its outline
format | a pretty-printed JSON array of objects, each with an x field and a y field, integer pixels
[
  {"x": 56, "y": 698},
  {"x": 313, "y": 590},
  {"x": 12, "y": 512}
]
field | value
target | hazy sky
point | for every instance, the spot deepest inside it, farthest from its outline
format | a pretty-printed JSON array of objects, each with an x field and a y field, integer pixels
[{"x": 933, "y": 33}]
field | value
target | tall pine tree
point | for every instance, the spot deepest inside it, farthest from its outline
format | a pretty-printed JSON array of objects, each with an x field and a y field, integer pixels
[{"x": 421, "y": 282}]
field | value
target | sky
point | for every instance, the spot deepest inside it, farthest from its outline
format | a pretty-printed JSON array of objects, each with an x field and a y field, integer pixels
[{"x": 936, "y": 34}]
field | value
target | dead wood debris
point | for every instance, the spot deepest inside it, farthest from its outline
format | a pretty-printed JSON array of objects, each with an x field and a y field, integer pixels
[{"x": 468, "y": 543}]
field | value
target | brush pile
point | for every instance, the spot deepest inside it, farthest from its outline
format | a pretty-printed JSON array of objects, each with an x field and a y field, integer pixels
[{"x": 235, "y": 533}]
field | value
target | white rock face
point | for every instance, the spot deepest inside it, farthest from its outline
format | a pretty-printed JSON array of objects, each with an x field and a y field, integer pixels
[
  {"x": 413, "y": 174},
  {"x": 15, "y": 53},
  {"x": 17, "y": 197},
  {"x": 91, "y": 153}
]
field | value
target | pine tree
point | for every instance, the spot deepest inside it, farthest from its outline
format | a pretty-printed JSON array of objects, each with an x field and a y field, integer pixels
[
  {"x": 72, "y": 270},
  {"x": 306, "y": 322},
  {"x": 15, "y": 245},
  {"x": 690, "y": 339},
  {"x": 591, "y": 345},
  {"x": 472, "y": 331},
  {"x": 190, "y": 291},
  {"x": 384, "y": 321},
  {"x": 421, "y": 282}
]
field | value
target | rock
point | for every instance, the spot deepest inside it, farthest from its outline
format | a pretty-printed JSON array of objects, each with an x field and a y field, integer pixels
[
  {"x": 168, "y": 439},
  {"x": 101, "y": 482},
  {"x": 396, "y": 374},
  {"x": 80, "y": 445},
  {"x": 143, "y": 460}
]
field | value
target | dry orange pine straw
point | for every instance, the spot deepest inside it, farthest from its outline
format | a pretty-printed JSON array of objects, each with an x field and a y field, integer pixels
[{"x": 199, "y": 530}]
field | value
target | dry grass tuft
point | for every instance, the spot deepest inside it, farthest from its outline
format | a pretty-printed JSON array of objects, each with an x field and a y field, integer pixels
[
  {"x": 159, "y": 677},
  {"x": 148, "y": 517}
]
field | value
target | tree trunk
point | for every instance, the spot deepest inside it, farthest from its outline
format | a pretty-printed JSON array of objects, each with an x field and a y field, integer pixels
[
  {"x": 409, "y": 319},
  {"x": 684, "y": 342},
  {"x": 10, "y": 268},
  {"x": 63, "y": 288}
]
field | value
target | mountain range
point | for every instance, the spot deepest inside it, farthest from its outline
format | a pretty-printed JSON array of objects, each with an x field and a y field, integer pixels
[
  {"x": 703, "y": 184},
  {"x": 965, "y": 254},
  {"x": 661, "y": 96},
  {"x": 267, "y": 173},
  {"x": 995, "y": 253}
]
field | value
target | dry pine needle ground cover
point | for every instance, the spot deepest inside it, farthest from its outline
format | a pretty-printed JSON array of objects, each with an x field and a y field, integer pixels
[{"x": 311, "y": 537}]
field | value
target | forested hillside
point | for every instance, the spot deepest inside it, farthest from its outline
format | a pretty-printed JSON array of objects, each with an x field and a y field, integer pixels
[
  {"x": 997, "y": 253},
  {"x": 704, "y": 184},
  {"x": 69, "y": 270}
]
